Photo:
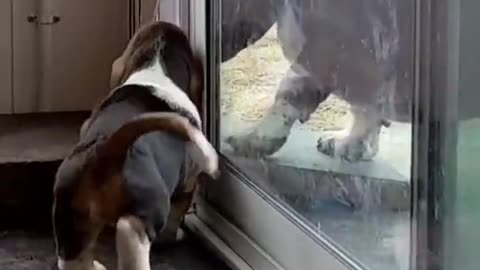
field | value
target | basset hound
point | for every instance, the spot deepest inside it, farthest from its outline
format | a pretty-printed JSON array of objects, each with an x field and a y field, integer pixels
[{"x": 139, "y": 154}]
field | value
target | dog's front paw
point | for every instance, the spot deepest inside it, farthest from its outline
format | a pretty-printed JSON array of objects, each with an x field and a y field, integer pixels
[
  {"x": 98, "y": 266},
  {"x": 254, "y": 145},
  {"x": 349, "y": 149}
]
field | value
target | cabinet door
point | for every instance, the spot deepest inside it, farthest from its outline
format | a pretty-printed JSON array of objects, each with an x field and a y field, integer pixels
[
  {"x": 5, "y": 57},
  {"x": 67, "y": 63},
  {"x": 26, "y": 56}
]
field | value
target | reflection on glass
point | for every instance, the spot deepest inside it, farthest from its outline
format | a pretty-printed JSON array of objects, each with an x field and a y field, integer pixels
[
  {"x": 315, "y": 104},
  {"x": 466, "y": 200}
]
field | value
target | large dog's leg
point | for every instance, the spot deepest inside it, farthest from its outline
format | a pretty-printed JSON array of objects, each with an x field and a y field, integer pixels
[
  {"x": 133, "y": 244},
  {"x": 297, "y": 98},
  {"x": 75, "y": 237},
  {"x": 359, "y": 141}
]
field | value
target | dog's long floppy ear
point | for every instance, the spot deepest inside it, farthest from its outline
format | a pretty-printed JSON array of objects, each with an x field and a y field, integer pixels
[
  {"x": 177, "y": 53},
  {"x": 197, "y": 83},
  {"x": 118, "y": 68},
  {"x": 201, "y": 150}
]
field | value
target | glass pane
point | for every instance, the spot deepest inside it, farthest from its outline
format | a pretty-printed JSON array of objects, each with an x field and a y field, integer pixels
[
  {"x": 315, "y": 104},
  {"x": 466, "y": 199}
]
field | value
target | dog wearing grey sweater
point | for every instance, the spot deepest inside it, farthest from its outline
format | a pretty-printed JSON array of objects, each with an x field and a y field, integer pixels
[{"x": 138, "y": 156}]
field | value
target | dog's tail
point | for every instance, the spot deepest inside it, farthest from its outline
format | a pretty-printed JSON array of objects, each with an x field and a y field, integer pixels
[{"x": 202, "y": 151}]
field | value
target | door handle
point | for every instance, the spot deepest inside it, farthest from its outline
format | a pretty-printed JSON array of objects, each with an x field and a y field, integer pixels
[{"x": 51, "y": 20}]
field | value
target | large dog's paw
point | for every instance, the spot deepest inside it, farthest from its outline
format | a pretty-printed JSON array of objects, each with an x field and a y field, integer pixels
[
  {"x": 348, "y": 148},
  {"x": 254, "y": 145}
]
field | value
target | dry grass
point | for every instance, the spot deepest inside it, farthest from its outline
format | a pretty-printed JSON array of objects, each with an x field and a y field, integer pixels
[{"x": 251, "y": 79}]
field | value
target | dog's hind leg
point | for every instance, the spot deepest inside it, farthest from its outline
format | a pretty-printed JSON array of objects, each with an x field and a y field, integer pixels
[
  {"x": 75, "y": 237},
  {"x": 133, "y": 244}
]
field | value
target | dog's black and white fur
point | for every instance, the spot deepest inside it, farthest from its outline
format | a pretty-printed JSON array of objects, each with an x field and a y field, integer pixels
[{"x": 142, "y": 145}]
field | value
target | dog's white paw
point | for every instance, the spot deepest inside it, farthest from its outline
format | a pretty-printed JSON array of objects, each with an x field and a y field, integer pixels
[
  {"x": 80, "y": 264},
  {"x": 348, "y": 148},
  {"x": 181, "y": 235},
  {"x": 204, "y": 155},
  {"x": 255, "y": 145},
  {"x": 98, "y": 266}
]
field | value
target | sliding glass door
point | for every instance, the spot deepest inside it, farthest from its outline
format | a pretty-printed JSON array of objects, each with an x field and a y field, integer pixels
[
  {"x": 347, "y": 132},
  {"x": 464, "y": 198},
  {"x": 314, "y": 111}
]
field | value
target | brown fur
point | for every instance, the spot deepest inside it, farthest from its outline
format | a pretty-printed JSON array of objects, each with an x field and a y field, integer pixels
[
  {"x": 99, "y": 194},
  {"x": 126, "y": 65},
  {"x": 140, "y": 49},
  {"x": 130, "y": 61}
]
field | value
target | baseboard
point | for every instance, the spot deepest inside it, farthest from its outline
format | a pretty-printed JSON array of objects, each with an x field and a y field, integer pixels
[
  {"x": 229, "y": 242},
  {"x": 217, "y": 245}
]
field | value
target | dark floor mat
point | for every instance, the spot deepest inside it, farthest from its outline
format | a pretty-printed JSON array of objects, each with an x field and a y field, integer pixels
[{"x": 22, "y": 251}]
